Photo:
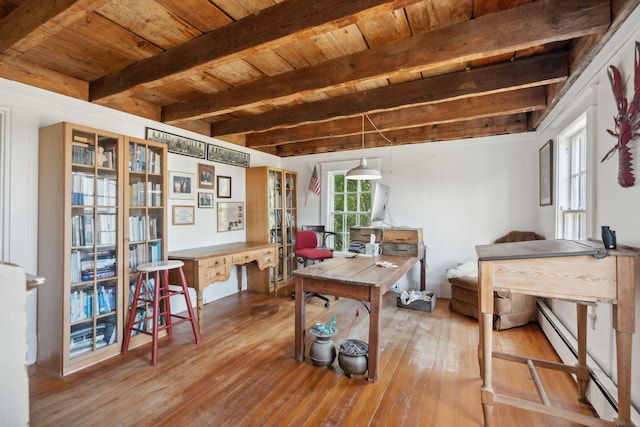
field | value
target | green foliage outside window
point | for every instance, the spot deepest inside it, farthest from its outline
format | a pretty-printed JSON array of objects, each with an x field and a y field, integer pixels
[{"x": 351, "y": 207}]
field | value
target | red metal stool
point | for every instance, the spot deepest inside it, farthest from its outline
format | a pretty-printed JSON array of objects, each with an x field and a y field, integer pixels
[{"x": 159, "y": 293}]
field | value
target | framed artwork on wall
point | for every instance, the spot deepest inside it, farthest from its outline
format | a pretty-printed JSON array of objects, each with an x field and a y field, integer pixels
[
  {"x": 181, "y": 185},
  {"x": 224, "y": 186},
  {"x": 178, "y": 144},
  {"x": 205, "y": 176},
  {"x": 546, "y": 173},
  {"x": 205, "y": 200},
  {"x": 230, "y": 216},
  {"x": 183, "y": 215}
]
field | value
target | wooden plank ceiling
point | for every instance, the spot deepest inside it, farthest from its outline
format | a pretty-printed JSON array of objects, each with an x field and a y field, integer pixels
[{"x": 294, "y": 77}]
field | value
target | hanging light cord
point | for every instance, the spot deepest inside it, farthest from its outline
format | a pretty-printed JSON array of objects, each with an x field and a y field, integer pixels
[{"x": 377, "y": 130}]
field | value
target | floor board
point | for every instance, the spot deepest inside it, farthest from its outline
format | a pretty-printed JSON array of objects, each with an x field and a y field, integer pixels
[{"x": 243, "y": 373}]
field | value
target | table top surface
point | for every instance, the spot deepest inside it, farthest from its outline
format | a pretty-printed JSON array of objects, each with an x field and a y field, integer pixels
[
  {"x": 547, "y": 248},
  {"x": 216, "y": 250},
  {"x": 360, "y": 270}
]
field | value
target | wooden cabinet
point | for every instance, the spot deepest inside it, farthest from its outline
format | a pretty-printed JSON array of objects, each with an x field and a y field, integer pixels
[
  {"x": 145, "y": 228},
  {"x": 79, "y": 246},
  {"x": 102, "y": 200},
  {"x": 272, "y": 202}
]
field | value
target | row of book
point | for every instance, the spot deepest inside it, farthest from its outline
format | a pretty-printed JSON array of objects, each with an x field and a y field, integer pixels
[
  {"x": 138, "y": 191},
  {"x": 141, "y": 159},
  {"x": 83, "y": 233},
  {"x": 83, "y": 154},
  {"x": 84, "y": 267},
  {"x": 82, "y": 336},
  {"x": 81, "y": 304},
  {"x": 138, "y": 256},
  {"x": 82, "y": 190},
  {"x": 138, "y": 228}
]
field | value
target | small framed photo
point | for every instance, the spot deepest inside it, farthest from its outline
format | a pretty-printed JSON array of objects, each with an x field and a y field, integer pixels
[
  {"x": 205, "y": 200},
  {"x": 230, "y": 216},
  {"x": 181, "y": 185},
  {"x": 183, "y": 215},
  {"x": 546, "y": 173},
  {"x": 205, "y": 175},
  {"x": 224, "y": 186}
]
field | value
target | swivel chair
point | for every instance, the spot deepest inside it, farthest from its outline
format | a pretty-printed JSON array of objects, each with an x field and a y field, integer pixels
[
  {"x": 324, "y": 237},
  {"x": 307, "y": 249}
]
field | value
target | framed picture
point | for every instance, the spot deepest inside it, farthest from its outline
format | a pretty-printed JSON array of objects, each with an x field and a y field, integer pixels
[
  {"x": 230, "y": 216},
  {"x": 178, "y": 144},
  {"x": 227, "y": 155},
  {"x": 224, "y": 187},
  {"x": 205, "y": 175},
  {"x": 546, "y": 173},
  {"x": 181, "y": 185},
  {"x": 205, "y": 200},
  {"x": 183, "y": 215}
]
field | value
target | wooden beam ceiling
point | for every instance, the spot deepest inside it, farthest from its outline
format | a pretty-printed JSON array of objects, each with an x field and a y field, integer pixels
[
  {"x": 495, "y": 34},
  {"x": 268, "y": 29},
  {"x": 293, "y": 77}
]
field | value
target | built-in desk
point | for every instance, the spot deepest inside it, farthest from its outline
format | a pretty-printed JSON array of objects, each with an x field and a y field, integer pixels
[
  {"x": 209, "y": 264},
  {"x": 580, "y": 271}
]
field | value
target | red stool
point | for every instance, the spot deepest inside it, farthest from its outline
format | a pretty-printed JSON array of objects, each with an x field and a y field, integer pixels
[{"x": 160, "y": 292}]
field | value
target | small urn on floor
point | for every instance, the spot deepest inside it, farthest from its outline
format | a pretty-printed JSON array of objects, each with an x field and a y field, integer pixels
[
  {"x": 323, "y": 351},
  {"x": 353, "y": 357}
]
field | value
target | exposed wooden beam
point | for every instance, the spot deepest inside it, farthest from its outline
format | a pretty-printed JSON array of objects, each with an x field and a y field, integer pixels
[
  {"x": 501, "y": 125},
  {"x": 35, "y": 20},
  {"x": 263, "y": 29},
  {"x": 527, "y": 72},
  {"x": 503, "y": 103},
  {"x": 519, "y": 28},
  {"x": 27, "y": 17}
]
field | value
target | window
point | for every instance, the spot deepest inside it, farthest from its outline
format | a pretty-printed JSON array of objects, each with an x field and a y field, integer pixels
[
  {"x": 349, "y": 206},
  {"x": 572, "y": 182}
]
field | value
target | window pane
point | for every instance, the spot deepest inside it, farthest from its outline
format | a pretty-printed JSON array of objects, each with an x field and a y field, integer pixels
[{"x": 352, "y": 202}]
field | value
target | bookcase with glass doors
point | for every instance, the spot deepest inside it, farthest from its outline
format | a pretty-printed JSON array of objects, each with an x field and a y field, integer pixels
[
  {"x": 272, "y": 211},
  {"x": 89, "y": 182}
]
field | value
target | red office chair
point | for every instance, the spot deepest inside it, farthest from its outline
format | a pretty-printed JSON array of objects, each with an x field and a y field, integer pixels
[{"x": 307, "y": 249}]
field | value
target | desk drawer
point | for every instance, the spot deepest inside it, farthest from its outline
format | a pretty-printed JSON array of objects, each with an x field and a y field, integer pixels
[
  {"x": 215, "y": 274},
  {"x": 246, "y": 257},
  {"x": 215, "y": 262}
]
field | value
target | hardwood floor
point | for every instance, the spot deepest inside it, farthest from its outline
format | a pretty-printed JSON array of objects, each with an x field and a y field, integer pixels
[{"x": 243, "y": 374}]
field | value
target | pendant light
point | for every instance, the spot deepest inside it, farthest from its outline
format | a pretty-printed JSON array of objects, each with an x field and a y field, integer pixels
[{"x": 362, "y": 171}]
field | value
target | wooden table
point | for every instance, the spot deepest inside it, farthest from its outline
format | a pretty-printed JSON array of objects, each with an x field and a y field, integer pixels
[
  {"x": 209, "y": 264},
  {"x": 580, "y": 271},
  {"x": 357, "y": 278}
]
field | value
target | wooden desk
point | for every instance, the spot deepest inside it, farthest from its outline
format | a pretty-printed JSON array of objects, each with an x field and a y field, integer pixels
[
  {"x": 357, "y": 278},
  {"x": 209, "y": 264},
  {"x": 580, "y": 271}
]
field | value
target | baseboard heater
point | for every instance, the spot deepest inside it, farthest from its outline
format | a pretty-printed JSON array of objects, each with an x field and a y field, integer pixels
[{"x": 601, "y": 391}]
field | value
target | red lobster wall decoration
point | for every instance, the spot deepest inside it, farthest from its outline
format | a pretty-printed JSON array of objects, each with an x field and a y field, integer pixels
[{"x": 627, "y": 122}]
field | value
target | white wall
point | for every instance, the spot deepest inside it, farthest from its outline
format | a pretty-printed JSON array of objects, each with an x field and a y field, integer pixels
[
  {"x": 611, "y": 204},
  {"x": 462, "y": 193},
  {"x": 23, "y": 110}
]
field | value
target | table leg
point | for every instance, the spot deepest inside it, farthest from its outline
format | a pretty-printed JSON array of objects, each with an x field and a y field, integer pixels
[
  {"x": 485, "y": 337},
  {"x": 239, "y": 277},
  {"x": 200, "y": 304},
  {"x": 628, "y": 273},
  {"x": 300, "y": 321},
  {"x": 374, "y": 333},
  {"x": 423, "y": 280},
  {"x": 582, "y": 371}
]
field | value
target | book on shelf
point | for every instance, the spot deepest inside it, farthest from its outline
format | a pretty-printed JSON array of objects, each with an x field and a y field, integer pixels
[
  {"x": 83, "y": 154},
  {"x": 110, "y": 153}
]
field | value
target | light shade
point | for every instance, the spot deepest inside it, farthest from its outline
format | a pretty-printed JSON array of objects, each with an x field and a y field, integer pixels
[{"x": 363, "y": 171}]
